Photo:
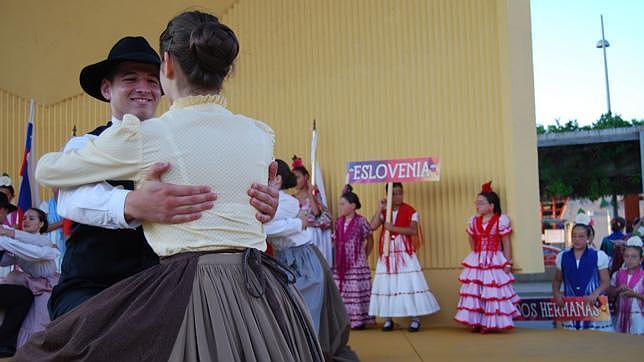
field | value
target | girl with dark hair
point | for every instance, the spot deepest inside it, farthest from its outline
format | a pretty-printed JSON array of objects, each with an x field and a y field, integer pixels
[
  {"x": 6, "y": 187},
  {"x": 583, "y": 272},
  {"x": 399, "y": 286},
  {"x": 487, "y": 298},
  {"x": 613, "y": 244},
  {"x": 320, "y": 220},
  {"x": 353, "y": 244},
  {"x": 628, "y": 286},
  {"x": 289, "y": 234},
  {"x": 616, "y": 238},
  {"x": 215, "y": 296},
  {"x": 35, "y": 255}
]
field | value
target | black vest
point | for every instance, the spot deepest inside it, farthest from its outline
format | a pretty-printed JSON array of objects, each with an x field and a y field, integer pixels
[{"x": 96, "y": 258}]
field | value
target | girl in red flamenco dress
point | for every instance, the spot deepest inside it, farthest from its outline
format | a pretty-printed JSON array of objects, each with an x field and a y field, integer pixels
[{"x": 487, "y": 299}]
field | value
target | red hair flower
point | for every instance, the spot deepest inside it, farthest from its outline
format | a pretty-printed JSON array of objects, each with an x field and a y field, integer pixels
[
  {"x": 297, "y": 162},
  {"x": 486, "y": 187}
]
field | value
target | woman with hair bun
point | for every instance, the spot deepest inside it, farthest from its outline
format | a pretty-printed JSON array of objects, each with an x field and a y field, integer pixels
[
  {"x": 311, "y": 203},
  {"x": 290, "y": 236},
  {"x": 353, "y": 244},
  {"x": 215, "y": 296}
]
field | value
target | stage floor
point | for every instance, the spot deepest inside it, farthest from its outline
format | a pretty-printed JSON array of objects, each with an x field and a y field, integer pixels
[{"x": 458, "y": 344}]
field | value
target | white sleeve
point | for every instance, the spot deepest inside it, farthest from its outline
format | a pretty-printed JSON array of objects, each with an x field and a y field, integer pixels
[
  {"x": 117, "y": 154},
  {"x": 414, "y": 217},
  {"x": 98, "y": 204},
  {"x": 75, "y": 143},
  {"x": 33, "y": 239},
  {"x": 27, "y": 251},
  {"x": 602, "y": 260},
  {"x": 285, "y": 223},
  {"x": 558, "y": 260},
  {"x": 283, "y": 227}
]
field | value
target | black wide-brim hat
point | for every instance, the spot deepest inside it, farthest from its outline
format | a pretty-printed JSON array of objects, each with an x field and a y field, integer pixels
[{"x": 129, "y": 49}]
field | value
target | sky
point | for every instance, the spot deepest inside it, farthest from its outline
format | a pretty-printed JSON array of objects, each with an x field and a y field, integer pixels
[{"x": 569, "y": 71}]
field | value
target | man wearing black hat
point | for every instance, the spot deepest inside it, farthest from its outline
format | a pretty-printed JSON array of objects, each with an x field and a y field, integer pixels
[
  {"x": 106, "y": 245},
  {"x": 15, "y": 300}
]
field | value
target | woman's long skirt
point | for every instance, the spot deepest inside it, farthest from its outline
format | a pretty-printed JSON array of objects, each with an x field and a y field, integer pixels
[{"x": 233, "y": 306}]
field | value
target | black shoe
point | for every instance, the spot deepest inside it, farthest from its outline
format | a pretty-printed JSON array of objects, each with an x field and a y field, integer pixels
[
  {"x": 388, "y": 326},
  {"x": 414, "y": 326},
  {"x": 7, "y": 351}
]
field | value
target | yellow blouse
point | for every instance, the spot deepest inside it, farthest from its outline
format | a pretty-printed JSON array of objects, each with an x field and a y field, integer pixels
[{"x": 205, "y": 144}]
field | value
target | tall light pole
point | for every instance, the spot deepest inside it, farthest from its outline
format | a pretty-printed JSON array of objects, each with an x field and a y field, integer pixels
[{"x": 603, "y": 44}]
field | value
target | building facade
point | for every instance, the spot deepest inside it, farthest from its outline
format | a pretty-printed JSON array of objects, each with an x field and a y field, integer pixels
[{"x": 384, "y": 79}]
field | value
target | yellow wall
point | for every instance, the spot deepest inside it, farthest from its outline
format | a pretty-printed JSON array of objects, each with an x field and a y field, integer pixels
[
  {"x": 46, "y": 43},
  {"x": 384, "y": 79}
]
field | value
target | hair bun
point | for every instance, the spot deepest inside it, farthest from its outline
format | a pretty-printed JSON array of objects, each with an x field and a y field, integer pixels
[
  {"x": 214, "y": 46},
  {"x": 204, "y": 48},
  {"x": 350, "y": 196}
]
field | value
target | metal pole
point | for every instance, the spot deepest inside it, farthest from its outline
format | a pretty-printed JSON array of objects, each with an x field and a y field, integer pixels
[
  {"x": 605, "y": 65},
  {"x": 615, "y": 205},
  {"x": 642, "y": 159}
]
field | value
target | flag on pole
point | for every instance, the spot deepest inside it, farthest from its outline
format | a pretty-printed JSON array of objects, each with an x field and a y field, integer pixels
[
  {"x": 28, "y": 196},
  {"x": 316, "y": 178}
]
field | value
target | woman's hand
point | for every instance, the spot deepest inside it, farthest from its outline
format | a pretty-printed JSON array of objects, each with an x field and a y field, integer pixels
[
  {"x": 383, "y": 204},
  {"x": 621, "y": 289},
  {"x": 7, "y": 232},
  {"x": 630, "y": 293},
  {"x": 305, "y": 219},
  {"x": 558, "y": 300},
  {"x": 314, "y": 190},
  {"x": 591, "y": 299},
  {"x": 389, "y": 226}
]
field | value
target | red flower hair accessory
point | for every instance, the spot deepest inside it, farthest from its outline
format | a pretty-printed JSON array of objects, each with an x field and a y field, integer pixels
[
  {"x": 297, "y": 162},
  {"x": 486, "y": 187}
]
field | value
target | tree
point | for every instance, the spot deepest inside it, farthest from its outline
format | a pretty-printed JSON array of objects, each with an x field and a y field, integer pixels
[
  {"x": 590, "y": 170},
  {"x": 607, "y": 120}
]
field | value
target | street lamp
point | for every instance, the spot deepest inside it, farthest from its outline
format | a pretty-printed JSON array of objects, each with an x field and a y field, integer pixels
[{"x": 603, "y": 44}]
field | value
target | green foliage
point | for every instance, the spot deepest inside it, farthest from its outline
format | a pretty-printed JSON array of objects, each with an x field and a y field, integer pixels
[
  {"x": 591, "y": 170},
  {"x": 607, "y": 120}
]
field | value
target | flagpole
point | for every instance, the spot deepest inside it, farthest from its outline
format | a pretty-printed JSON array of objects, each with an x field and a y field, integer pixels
[
  {"x": 35, "y": 191},
  {"x": 31, "y": 110},
  {"x": 314, "y": 143},
  {"x": 386, "y": 238}
]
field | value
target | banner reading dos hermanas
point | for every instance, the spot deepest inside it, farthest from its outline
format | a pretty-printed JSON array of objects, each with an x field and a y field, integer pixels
[
  {"x": 401, "y": 170},
  {"x": 574, "y": 309}
]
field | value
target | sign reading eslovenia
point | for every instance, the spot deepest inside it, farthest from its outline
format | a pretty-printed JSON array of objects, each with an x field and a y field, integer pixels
[{"x": 401, "y": 170}]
